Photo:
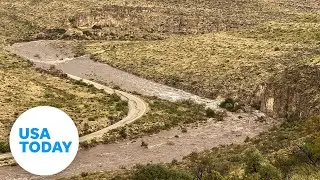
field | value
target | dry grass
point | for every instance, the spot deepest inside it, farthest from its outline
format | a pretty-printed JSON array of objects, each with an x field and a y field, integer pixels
[
  {"x": 259, "y": 38},
  {"x": 210, "y": 65},
  {"x": 227, "y": 63},
  {"x": 163, "y": 115},
  {"x": 130, "y": 19},
  {"x": 22, "y": 87},
  {"x": 208, "y": 47}
]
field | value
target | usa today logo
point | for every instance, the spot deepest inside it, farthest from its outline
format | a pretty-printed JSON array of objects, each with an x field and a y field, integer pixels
[{"x": 44, "y": 140}]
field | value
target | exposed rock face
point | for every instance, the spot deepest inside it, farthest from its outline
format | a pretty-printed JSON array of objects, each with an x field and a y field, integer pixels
[{"x": 294, "y": 92}]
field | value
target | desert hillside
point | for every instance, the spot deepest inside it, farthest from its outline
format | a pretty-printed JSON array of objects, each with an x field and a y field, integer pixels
[{"x": 242, "y": 74}]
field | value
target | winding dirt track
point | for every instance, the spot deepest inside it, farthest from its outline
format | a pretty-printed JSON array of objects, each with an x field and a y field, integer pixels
[
  {"x": 164, "y": 146},
  {"x": 137, "y": 108}
]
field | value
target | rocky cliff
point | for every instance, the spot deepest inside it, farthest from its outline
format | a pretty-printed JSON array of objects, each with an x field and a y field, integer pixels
[{"x": 295, "y": 92}]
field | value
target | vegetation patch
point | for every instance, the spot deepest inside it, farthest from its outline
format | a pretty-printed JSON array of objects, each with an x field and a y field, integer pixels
[
  {"x": 162, "y": 115},
  {"x": 159, "y": 172},
  {"x": 23, "y": 87},
  {"x": 290, "y": 151},
  {"x": 4, "y": 147},
  {"x": 227, "y": 63},
  {"x": 230, "y": 104}
]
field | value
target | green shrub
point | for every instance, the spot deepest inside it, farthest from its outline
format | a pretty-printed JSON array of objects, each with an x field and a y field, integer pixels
[
  {"x": 94, "y": 58},
  {"x": 123, "y": 132},
  {"x": 159, "y": 172},
  {"x": 268, "y": 171},
  {"x": 84, "y": 174},
  {"x": 109, "y": 138},
  {"x": 253, "y": 160},
  {"x": 254, "y": 176},
  {"x": 80, "y": 82},
  {"x": 210, "y": 113},
  {"x": 56, "y": 31},
  {"x": 84, "y": 144},
  {"x": 115, "y": 98},
  {"x": 94, "y": 141},
  {"x": 257, "y": 167},
  {"x": 214, "y": 175},
  {"x": 121, "y": 106},
  {"x": 311, "y": 149},
  {"x": 96, "y": 26},
  {"x": 228, "y": 104},
  {"x": 86, "y": 128},
  {"x": 4, "y": 147},
  {"x": 87, "y": 33},
  {"x": 276, "y": 49}
]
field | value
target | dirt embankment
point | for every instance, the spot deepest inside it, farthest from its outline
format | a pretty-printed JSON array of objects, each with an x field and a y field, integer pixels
[{"x": 293, "y": 93}]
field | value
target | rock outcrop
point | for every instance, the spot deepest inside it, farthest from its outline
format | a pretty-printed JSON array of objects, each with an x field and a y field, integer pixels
[{"x": 293, "y": 93}]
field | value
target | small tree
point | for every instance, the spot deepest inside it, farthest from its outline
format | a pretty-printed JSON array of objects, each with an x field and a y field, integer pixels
[
  {"x": 253, "y": 160},
  {"x": 259, "y": 168}
]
